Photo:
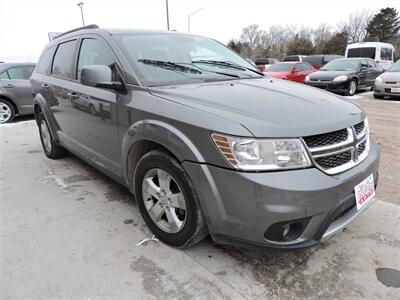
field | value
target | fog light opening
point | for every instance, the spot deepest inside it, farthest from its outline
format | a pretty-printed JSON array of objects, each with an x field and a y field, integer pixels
[{"x": 291, "y": 231}]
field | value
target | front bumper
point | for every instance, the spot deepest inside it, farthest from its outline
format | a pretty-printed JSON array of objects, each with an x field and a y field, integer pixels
[
  {"x": 336, "y": 87},
  {"x": 385, "y": 89},
  {"x": 239, "y": 207}
]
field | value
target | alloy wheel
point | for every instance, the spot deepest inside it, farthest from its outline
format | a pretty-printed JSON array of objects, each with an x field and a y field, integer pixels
[
  {"x": 46, "y": 138},
  {"x": 164, "y": 200},
  {"x": 5, "y": 112}
]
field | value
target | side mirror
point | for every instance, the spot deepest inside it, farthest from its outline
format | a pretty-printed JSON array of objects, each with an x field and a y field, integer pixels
[{"x": 100, "y": 76}]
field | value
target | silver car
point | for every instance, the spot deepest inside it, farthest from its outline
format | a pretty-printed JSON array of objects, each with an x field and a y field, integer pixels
[
  {"x": 15, "y": 90},
  {"x": 388, "y": 84}
]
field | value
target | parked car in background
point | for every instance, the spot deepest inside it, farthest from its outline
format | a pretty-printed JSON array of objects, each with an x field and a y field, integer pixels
[
  {"x": 293, "y": 71},
  {"x": 294, "y": 58},
  {"x": 383, "y": 54},
  {"x": 388, "y": 83},
  {"x": 251, "y": 61},
  {"x": 263, "y": 63},
  {"x": 15, "y": 90},
  {"x": 319, "y": 60},
  {"x": 205, "y": 142},
  {"x": 345, "y": 75}
]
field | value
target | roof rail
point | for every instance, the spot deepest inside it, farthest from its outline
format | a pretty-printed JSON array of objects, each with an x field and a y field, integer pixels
[{"x": 91, "y": 26}]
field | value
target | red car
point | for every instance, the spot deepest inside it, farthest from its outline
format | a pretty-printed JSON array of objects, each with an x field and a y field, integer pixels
[{"x": 293, "y": 71}]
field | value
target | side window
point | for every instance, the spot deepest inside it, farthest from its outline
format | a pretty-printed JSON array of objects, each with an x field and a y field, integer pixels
[
  {"x": 62, "y": 63},
  {"x": 21, "y": 72},
  {"x": 306, "y": 67},
  {"x": 94, "y": 52},
  {"x": 299, "y": 68},
  {"x": 44, "y": 64},
  {"x": 4, "y": 76}
]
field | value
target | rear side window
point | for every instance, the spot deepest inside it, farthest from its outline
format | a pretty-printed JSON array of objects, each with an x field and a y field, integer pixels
[
  {"x": 94, "y": 52},
  {"x": 44, "y": 64},
  {"x": 386, "y": 54},
  {"x": 20, "y": 72},
  {"x": 362, "y": 52},
  {"x": 62, "y": 63},
  {"x": 306, "y": 67}
]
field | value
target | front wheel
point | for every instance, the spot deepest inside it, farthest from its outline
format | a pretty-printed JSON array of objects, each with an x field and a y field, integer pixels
[
  {"x": 167, "y": 200},
  {"x": 351, "y": 90}
]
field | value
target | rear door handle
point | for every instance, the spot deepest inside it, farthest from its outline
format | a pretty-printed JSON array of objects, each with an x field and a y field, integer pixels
[{"x": 73, "y": 95}]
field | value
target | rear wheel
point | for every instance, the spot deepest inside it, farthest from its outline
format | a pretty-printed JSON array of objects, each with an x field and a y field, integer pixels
[
  {"x": 7, "y": 112},
  {"x": 351, "y": 90},
  {"x": 51, "y": 149},
  {"x": 167, "y": 200}
]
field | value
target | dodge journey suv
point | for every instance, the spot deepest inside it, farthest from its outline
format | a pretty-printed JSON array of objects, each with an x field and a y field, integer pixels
[{"x": 206, "y": 143}]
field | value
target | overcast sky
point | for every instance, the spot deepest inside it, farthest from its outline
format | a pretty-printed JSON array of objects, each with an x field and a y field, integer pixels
[{"x": 24, "y": 24}]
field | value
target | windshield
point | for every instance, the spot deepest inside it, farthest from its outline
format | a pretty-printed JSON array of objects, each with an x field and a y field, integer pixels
[
  {"x": 195, "y": 52},
  {"x": 342, "y": 65},
  {"x": 395, "y": 67},
  {"x": 280, "y": 67}
]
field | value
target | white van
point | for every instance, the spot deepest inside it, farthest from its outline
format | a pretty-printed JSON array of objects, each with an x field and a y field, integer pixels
[{"x": 383, "y": 53}]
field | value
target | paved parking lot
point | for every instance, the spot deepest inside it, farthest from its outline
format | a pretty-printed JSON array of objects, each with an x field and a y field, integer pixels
[{"x": 67, "y": 231}]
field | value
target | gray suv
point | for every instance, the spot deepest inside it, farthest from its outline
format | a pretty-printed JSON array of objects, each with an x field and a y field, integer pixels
[
  {"x": 205, "y": 142},
  {"x": 15, "y": 90}
]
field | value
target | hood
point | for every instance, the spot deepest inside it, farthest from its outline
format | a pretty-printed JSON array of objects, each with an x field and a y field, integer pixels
[
  {"x": 329, "y": 75},
  {"x": 277, "y": 74},
  {"x": 390, "y": 76},
  {"x": 268, "y": 107}
]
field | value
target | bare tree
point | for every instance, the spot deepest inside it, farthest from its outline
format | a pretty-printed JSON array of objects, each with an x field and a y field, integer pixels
[
  {"x": 356, "y": 26},
  {"x": 251, "y": 35},
  {"x": 321, "y": 35}
]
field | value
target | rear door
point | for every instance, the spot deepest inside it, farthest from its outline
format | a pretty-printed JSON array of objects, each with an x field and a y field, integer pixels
[
  {"x": 18, "y": 87},
  {"x": 93, "y": 111}
]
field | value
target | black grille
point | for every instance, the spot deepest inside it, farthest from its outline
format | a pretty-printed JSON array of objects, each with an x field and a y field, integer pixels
[
  {"x": 326, "y": 139},
  {"x": 361, "y": 148},
  {"x": 359, "y": 127},
  {"x": 336, "y": 160}
]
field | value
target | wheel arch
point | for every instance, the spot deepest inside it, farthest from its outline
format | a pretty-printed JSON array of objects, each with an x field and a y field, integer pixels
[
  {"x": 148, "y": 135},
  {"x": 12, "y": 101},
  {"x": 40, "y": 105}
]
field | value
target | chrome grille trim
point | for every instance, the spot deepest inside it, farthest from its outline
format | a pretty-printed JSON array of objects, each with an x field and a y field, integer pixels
[{"x": 352, "y": 144}]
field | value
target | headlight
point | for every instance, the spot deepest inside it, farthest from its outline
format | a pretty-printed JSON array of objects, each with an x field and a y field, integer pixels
[
  {"x": 307, "y": 78},
  {"x": 341, "y": 78},
  {"x": 378, "y": 80},
  {"x": 262, "y": 154}
]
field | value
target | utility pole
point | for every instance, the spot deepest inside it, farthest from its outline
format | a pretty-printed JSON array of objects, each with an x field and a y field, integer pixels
[
  {"x": 191, "y": 15},
  {"x": 166, "y": 3},
  {"x": 80, "y": 4}
]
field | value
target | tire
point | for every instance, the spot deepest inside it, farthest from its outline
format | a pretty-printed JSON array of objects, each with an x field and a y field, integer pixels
[
  {"x": 50, "y": 147},
  {"x": 352, "y": 89},
  {"x": 7, "y": 111},
  {"x": 188, "y": 226}
]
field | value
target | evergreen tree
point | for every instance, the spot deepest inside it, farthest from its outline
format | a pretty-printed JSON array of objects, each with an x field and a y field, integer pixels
[
  {"x": 300, "y": 45},
  {"x": 336, "y": 44},
  {"x": 385, "y": 25}
]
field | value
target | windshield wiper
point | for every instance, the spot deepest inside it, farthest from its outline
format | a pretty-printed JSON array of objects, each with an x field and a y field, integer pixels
[
  {"x": 228, "y": 64},
  {"x": 169, "y": 65}
]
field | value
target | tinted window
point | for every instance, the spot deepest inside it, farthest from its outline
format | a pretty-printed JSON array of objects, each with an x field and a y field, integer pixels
[
  {"x": 314, "y": 60},
  {"x": 44, "y": 64},
  {"x": 22, "y": 72},
  {"x": 291, "y": 58},
  {"x": 4, "y": 76},
  {"x": 386, "y": 54},
  {"x": 94, "y": 52},
  {"x": 362, "y": 52},
  {"x": 262, "y": 61},
  {"x": 62, "y": 64}
]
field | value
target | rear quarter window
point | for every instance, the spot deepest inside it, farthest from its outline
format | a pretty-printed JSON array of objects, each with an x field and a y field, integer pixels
[
  {"x": 44, "y": 64},
  {"x": 63, "y": 59}
]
